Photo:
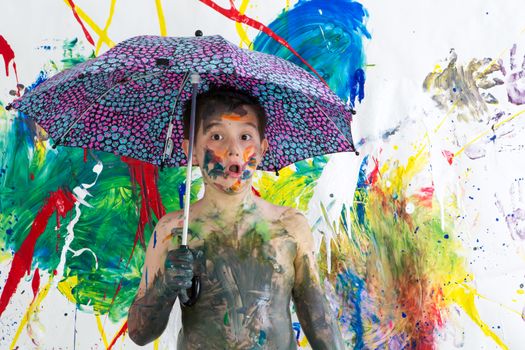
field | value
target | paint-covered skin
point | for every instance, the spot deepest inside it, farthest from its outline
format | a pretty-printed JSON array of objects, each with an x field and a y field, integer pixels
[
  {"x": 247, "y": 283},
  {"x": 255, "y": 261},
  {"x": 255, "y": 256}
]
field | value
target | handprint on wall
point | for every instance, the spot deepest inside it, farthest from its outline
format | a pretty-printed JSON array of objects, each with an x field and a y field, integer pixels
[
  {"x": 514, "y": 78},
  {"x": 516, "y": 218},
  {"x": 464, "y": 87}
]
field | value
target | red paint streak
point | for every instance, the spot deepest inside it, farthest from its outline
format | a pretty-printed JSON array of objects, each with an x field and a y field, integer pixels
[
  {"x": 449, "y": 155},
  {"x": 86, "y": 33},
  {"x": 61, "y": 202},
  {"x": 146, "y": 176},
  {"x": 85, "y": 155},
  {"x": 119, "y": 334},
  {"x": 9, "y": 55},
  {"x": 114, "y": 295},
  {"x": 7, "y": 52},
  {"x": 58, "y": 239},
  {"x": 32, "y": 176},
  {"x": 374, "y": 174},
  {"x": 255, "y": 192},
  {"x": 235, "y": 15},
  {"x": 425, "y": 196},
  {"x": 35, "y": 283}
]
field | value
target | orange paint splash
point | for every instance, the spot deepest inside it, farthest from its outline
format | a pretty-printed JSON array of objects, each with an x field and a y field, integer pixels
[
  {"x": 248, "y": 153},
  {"x": 231, "y": 117}
]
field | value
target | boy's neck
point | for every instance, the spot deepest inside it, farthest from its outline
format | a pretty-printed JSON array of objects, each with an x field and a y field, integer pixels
[{"x": 228, "y": 204}]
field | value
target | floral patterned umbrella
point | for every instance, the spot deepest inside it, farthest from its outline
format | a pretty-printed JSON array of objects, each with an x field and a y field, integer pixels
[{"x": 130, "y": 100}]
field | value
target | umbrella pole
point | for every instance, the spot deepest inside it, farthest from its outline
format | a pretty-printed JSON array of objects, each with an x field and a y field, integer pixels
[{"x": 195, "y": 80}]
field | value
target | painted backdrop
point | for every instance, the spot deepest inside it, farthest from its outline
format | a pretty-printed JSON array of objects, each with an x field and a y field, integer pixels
[{"x": 420, "y": 238}]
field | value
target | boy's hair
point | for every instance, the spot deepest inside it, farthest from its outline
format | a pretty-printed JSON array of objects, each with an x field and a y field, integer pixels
[{"x": 220, "y": 100}]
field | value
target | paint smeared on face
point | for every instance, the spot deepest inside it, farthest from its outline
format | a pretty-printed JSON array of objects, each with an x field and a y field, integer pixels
[{"x": 232, "y": 148}]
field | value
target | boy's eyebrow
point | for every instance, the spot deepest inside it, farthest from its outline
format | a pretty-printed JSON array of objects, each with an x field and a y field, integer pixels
[{"x": 212, "y": 124}]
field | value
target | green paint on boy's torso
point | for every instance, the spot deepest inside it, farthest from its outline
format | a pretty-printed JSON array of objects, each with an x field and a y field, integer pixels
[{"x": 247, "y": 275}]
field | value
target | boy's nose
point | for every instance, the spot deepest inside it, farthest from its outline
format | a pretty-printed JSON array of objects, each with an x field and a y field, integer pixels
[{"x": 234, "y": 150}]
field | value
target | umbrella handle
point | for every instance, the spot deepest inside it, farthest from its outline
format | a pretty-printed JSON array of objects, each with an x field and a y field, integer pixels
[{"x": 191, "y": 297}]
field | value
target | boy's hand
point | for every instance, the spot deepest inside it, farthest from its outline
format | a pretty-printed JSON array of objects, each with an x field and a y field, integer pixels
[{"x": 178, "y": 270}]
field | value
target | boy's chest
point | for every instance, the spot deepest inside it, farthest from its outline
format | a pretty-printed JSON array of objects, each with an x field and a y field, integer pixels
[{"x": 251, "y": 255}]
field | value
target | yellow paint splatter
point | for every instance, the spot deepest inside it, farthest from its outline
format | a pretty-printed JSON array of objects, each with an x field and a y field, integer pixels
[
  {"x": 32, "y": 309},
  {"x": 463, "y": 295},
  {"x": 102, "y": 36},
  {"x": 489, "y": 130},
  {"x": 162, "y": 20},
  {"x": 66, "y": 286},
  {"x": 106, "y": 27},
  {"x": 101, "y": 331},
  {"x": 241, "y": 29}
]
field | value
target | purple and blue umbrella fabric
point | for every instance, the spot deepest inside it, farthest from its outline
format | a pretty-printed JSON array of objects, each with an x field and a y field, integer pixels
[{"x": 123, "y": 100}]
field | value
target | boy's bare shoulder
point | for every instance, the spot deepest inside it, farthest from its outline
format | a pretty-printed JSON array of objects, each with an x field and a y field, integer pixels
[
  {"x": 171, "y": 220},
  {"x": 292, "y": 219}
]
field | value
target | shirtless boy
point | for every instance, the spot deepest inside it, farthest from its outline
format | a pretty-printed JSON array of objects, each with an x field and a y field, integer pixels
[{"x": 252, "y": 256}]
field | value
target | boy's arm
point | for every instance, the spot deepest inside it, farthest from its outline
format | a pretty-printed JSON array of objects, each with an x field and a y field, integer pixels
[
  {"x": 311, "y": 305},
  {"x": 150, "y": 311}
]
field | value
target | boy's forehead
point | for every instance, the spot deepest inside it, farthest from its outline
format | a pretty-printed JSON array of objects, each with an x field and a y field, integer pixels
[{"x": 246, "y": 116}]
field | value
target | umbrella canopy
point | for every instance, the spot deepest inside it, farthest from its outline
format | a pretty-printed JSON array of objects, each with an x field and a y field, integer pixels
[{"x": 125, "y": 100}]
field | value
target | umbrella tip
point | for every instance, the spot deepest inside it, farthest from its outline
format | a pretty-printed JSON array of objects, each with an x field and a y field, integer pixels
[
  {"x": 8, "y": 107},
  {"x": 198, "y": 32},
  {"x": 356, "y": 153}
]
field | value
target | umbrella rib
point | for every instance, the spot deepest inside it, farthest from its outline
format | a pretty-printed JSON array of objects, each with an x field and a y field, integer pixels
[
  {"x": 132, "y": 78},
  {"x": 351, "y": 143},
  {"x": 168, "y": 136}
]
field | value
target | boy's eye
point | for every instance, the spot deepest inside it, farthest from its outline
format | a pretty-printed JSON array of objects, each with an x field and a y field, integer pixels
[
  {"x": 216, "y": 137},
  {"x": 246, "y": 137}
]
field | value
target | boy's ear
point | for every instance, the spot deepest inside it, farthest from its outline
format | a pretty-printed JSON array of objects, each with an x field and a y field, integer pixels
[
  {"x": 185, "y": 148},
  {"x": 264, "y": 147}
]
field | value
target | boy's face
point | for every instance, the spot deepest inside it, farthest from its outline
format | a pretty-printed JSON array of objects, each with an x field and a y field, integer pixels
[{"x": 228, "y": 149}]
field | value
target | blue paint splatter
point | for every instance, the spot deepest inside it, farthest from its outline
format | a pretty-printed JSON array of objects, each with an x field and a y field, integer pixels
[
  {"x": 154, "y": 238},
  {"x": 262, "y": 337},
  {"x": 352, "y": 288},
  {"x": 182, "y": 191},
  {"x": 329, "y": 35},
  {"x": 297, "y": 327},
  {"x": 362, "y": 185}
]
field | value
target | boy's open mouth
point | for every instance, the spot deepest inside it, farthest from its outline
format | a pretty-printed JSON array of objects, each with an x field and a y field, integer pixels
[{"x": 234, "y": 168}]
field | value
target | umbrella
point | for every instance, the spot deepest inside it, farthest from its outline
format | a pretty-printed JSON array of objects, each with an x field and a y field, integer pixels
[{"x": 130, "y": 100}]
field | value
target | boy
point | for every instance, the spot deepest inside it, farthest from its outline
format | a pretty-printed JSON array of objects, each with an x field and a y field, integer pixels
[{"x": 252, "y": 256}]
